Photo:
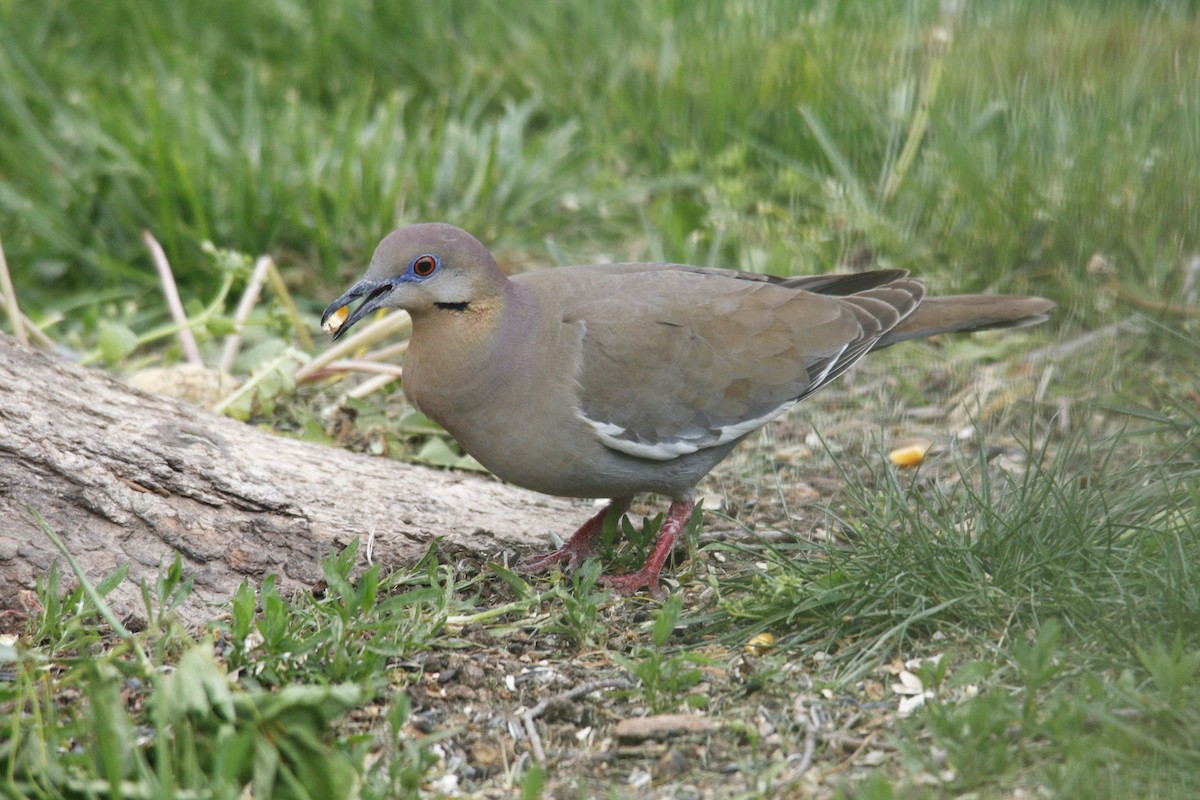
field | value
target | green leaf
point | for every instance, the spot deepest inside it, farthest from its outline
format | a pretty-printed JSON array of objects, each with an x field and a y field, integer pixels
[
  {"x": 218, "y": 326},
  {"x": 437, "y": 452},
  {"x": 198, "y": 688},
  {"x": 416, "y": 422},
  {"x": 971, "y": 672},
  {"x": 469, "y": 463},
  {"x": 241, "y": 407},
  {"x": 242, "y": 612},
  {"x": 116, "y": 341},
  {"x": 311, "y": 707},
  {"x": 113, "y": 579},
  {"x": 533, "y": 782},
  {"x": 260, "y": 355},
  {"x": 666, "y": 619},
  {"x": 266, "y": 767}
]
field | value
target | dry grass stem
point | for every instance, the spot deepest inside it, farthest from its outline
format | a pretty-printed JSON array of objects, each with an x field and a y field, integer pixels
[
  {"x": 36, "y": 333},
  {"x": 167, "y": 279},
  {"x": 535, "y": 740},
  {"x": 390, "y": 325},
  {"x": 233, "y": 342},
  {"x": 371, "y": 385},
  {"x": 387, "y": 353},
  {"x": 10, "y": 300},
  {"x": 279, "y": 287},
  {"x": 363, "y": 365}
]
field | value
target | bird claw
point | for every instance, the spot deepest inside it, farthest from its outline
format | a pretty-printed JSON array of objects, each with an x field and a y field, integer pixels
[
  {"x": 647, "y": 576},
  {"x": 570, "y": 557},
  {"x": 626, "y": 585},
  {"x": 581, "y": 544}
]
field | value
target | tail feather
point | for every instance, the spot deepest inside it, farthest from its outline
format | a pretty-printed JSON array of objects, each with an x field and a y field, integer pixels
[{"x": 967, "y": 312}]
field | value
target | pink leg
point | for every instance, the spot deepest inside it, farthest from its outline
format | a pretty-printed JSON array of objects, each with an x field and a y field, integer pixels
[
  {"x": 581, "y": 544},
  {"x": 647, "y": 576}
]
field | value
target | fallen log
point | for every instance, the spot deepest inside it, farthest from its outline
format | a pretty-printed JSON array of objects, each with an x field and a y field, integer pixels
[{"x": 125, "y": 476}]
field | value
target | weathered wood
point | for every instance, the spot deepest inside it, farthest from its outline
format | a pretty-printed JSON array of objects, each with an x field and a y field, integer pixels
[{"x": 126, "y": 476}]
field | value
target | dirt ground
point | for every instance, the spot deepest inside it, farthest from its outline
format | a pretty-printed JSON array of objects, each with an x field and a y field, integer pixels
[{"x": 770, "y": 727}]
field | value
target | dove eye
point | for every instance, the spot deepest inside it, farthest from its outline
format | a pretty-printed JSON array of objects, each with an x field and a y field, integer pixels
[{"x": 424, "y": 266}]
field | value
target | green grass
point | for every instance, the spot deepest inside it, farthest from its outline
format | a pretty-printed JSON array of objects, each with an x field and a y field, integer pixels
[
  {"x": 999, "y": 148},
  {"x": 1067, "y": 592},
  {"x": 759, "y": 136},
  {"x": 1100, "y": 539},
  {"x": 161, "y": 714},
  {"x": 1063, "y": 601}
]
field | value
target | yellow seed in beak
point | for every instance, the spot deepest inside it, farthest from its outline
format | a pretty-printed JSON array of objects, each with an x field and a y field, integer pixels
[{"x": 334, "y": 323}]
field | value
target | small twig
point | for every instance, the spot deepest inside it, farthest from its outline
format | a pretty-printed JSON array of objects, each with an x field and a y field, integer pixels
[
  {"x": 387, "y": 353},
  {"x": 167, "y": 279},
  {"x": 848, "y": 742},
  {"x": 810, "y": 748},
  {"x": 362, "y": 365},
  {"x": 367, "y": 362},
  {"x": 535, "y": 740},
  {"x": 812, "y": 732},
  {"x": 1112, "y": 284},
  {"x": 233, "y": 342},
  {"x": 36, "y": 332},
  {"x": 372, "y": 385},
  {"x": 848, "y": 760},
  {"x": 289, "y": 305},
  {"x": 739, "y": 535},
  {"x": 10, "y": 300},
  {"x": 391, "y": 324}
]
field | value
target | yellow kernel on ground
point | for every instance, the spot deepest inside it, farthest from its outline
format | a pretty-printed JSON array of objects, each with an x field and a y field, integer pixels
[
  {"x": 334, "y": 323},
  {"x": 910, "y": 455},
  {"x": 760, "y": 643}
]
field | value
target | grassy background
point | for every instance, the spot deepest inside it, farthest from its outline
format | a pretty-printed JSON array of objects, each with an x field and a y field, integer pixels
[
  {"x": 990, "y": 146},
  {"x": 756, "y": 135}
]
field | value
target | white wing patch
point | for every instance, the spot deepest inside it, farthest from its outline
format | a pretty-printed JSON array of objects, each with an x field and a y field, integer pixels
[
  {"x": 819, "y": 380},
  {"x": 613, "y": 436}
]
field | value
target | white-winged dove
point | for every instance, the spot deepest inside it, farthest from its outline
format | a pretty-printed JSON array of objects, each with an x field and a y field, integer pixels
[{"x": 605, "y": 381}]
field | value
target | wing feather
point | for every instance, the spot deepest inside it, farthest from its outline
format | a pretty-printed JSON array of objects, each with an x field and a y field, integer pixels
[{"x": 675, "y": 360}]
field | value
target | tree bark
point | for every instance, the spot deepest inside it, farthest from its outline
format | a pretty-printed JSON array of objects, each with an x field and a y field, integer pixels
[{"x": 125, "y": 476}]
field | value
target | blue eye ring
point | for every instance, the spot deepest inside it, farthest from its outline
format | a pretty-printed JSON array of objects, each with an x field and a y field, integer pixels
[{"x": 425, "y": 265}]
